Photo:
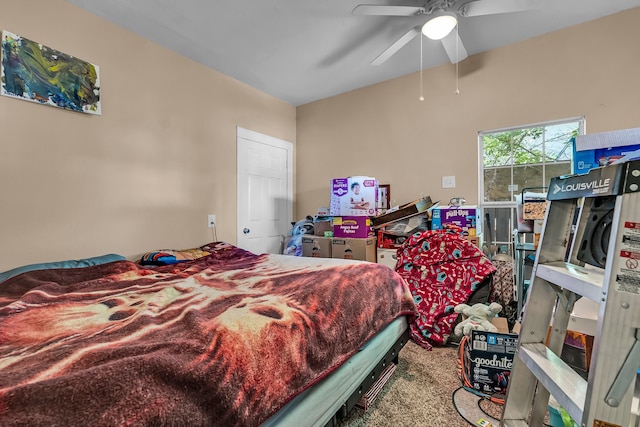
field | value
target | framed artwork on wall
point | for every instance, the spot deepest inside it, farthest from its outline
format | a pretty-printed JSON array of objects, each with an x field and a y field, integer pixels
[
  {"x": 384, "y": 197},
  {"x": 34, "y": 72}
]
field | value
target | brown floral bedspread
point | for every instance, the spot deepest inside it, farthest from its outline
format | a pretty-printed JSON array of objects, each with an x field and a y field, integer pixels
[{"x": 224, "y": 340}]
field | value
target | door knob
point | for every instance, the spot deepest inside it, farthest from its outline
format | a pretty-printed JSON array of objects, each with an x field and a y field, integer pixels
[{"x": 246, "y": 231}]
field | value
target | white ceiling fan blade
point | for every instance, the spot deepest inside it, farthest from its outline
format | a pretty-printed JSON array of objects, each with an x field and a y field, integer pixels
[
  {"x": 397, "y": 45},
  {"x": 379, "y": 10},
  {"x": 490, "y": 7},
  {"x": 454, "y": 47}
]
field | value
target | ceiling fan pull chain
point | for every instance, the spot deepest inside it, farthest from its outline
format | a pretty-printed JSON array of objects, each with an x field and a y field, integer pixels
[
  {"x": 457, "y": 61},
  {"x": 421, "y": 97}
]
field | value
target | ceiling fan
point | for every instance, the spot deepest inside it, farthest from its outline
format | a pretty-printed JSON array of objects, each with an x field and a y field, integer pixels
[{"x": 442, "y": 19}]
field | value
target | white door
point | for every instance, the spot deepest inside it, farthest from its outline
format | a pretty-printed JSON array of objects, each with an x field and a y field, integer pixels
[{"x": 265, "y": 191}]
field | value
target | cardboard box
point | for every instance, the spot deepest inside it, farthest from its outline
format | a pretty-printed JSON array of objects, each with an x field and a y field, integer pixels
[
  {"x": 319, "y": 227},
  {"x": 354, "y": 196},
  {"x": 352, "y": 226},
  {"x": 316, "y": 246},
  {"x": 601, "y": 149},
  {"x": 465, "y": 217},
  {"x": 475, "y": 240},
  {"x": 488, "y": 360},
  {"x": 404, "y": 211},
  {"x": 360, "y": 249}
]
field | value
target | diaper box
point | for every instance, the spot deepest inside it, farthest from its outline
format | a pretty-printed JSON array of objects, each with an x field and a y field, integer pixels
[
  {"x": 354, "y": 196},
  {"x": 465, "y": 217}
]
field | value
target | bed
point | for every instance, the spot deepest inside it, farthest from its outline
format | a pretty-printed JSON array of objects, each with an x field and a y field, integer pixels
[{"x": 229, "y": 338}]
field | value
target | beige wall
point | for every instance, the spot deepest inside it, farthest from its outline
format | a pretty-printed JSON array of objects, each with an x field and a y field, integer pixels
[
  {"x": 384, "y": 131},
  {"x": 143, "y": 175},
  {"x": 147, "y": 172}
]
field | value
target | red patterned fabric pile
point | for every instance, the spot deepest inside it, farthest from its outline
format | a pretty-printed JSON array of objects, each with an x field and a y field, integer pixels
[{"x": 442, "y": 269}]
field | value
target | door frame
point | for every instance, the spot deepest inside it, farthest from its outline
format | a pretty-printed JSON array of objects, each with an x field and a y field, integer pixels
[{"x": 260, "y": 138}]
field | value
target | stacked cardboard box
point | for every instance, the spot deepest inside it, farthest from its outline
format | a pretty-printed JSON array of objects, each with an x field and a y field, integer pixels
[
  {"x": 360, "y": 249},
  {"x": 316, "y": 246},
  {"x": 352, "y": 227},
  {"x": 353, "y": 201},
  {"x": 354, "y": 196}
]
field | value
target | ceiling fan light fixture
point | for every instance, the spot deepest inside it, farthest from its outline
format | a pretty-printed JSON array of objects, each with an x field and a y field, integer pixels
[{"x": 439, "y": 27}]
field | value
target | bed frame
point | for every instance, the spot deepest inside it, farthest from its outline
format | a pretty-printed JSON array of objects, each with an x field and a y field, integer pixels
[
  {"x": 390, "y": 357},
  {"x": 333, "y": 398}
]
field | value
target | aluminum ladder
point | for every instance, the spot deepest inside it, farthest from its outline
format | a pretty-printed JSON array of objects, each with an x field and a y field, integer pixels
[{"x": 599, "y": 206}]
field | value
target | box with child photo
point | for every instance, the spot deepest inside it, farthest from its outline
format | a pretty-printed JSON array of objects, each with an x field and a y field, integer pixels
[{"x": 354, "y": 196}]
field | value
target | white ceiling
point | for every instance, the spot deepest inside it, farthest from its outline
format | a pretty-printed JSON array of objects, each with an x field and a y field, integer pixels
[{"x": 305, "y": 50}]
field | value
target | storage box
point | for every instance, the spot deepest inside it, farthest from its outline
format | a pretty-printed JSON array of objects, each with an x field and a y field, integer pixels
[
  {"x": 534, "y": 209},
  {"x": 465, "y": 217},
  {"x": 354, "y": 196},
  {"x": 316, "y": 246},
  {"x": 404, "y": 211},
  {"x": 576, "y": 351},
  {"x": 319, "y": 227},
  {"x": 390, "y": 240},
  {"x": 601, "y": 149},
  {"x": 324, "y": 211},
  {"x": 360, "y": 249},
  {"x": 475, "y": 240},
  {"x": 488, "y": 360},
  {"x": 388, "y": 257},
  {"x": 352, "y": 226}
]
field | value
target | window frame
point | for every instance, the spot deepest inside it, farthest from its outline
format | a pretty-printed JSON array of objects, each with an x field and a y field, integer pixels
[{"x": 501, "y": 242}]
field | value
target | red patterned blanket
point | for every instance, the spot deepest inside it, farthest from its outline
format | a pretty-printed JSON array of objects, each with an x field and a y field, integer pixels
[
  {"x": 442, "y": 269},
  {"x": 224, "y": 340}
]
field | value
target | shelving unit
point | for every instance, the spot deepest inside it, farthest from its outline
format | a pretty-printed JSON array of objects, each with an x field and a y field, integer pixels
[
  {"x": 522, "y": 283},
  {"x": 559, "y": 279}
]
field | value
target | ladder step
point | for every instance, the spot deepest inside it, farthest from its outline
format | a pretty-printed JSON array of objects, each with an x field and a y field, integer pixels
[
  {"x": 564, "y": 384},
  {"x": 580, "y": 280},
  {"x": 514, "y": 423}
]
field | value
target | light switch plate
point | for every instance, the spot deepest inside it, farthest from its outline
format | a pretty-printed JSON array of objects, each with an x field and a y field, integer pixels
[{"x": 449, "y": 181}]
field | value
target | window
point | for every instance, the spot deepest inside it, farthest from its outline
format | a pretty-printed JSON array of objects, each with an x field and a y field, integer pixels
[{"x": 517, "y": 159}]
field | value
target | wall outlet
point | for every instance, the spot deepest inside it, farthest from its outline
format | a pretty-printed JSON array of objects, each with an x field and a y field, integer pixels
[{"x": 211, "y": 220}]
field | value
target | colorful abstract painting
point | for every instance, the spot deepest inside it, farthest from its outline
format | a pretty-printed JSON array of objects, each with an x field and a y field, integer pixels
[{"x": 37, "y": 73}]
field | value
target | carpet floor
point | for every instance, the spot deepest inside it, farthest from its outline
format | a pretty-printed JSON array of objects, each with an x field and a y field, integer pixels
[{"x": 420, "y": 392}]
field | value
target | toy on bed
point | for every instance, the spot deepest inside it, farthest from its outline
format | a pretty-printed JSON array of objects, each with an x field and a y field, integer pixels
[{"x": 478, "y": 318}]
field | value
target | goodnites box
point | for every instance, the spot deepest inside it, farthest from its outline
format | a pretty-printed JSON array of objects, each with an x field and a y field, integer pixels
[{"x": 488, "y": 360}]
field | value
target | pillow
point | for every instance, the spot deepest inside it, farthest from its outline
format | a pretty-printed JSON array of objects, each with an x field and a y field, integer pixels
[
  {"x": 172, "y": 256},
  {"x": 72, "y": 263}
]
